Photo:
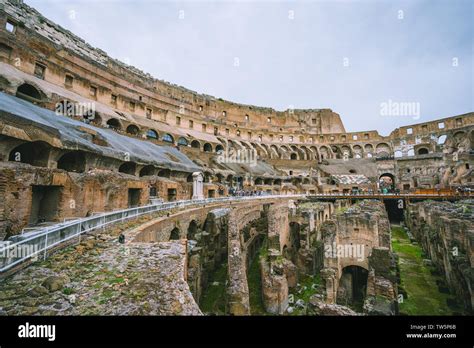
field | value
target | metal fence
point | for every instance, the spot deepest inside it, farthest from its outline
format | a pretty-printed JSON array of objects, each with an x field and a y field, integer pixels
[{"x": 35, "y": 242}]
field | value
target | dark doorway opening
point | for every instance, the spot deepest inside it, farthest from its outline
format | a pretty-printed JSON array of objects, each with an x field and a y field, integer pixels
[
  {"x": 35, "y": 153},
  {"x": 423, "y": 151},
  {"x": 44, "y": 203},
  {"x": 133, "y": 130},
  {"x": 74, "y": 161},
  {"x": 295, "y": 236},
  {"x": 192, "y": 230},
  {"x": 295, "y": 243},
  {"x": 354, "y": 280},
  {"x": 128, "y": 168},
  {"x": 164, "y": 173},
  {"x": 395, "y": 208},
  {"x": 114, "y": 124},
  {"x": 133, "y": 197},
  {"x": 172, "y": 195},
  {"x": 147, "y": 171},
  {"x": 211, "y": 193},
  {"x": 174, "y": 235}
]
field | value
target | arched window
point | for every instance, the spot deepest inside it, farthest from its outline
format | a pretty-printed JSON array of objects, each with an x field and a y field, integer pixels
[
  {"x": 164, "y": 173},
  {"x": 207, "y": 147},
  {"x": 182, "y": 141},
  {"x": 168, "y": 138},
  {"x": 35, "y": 153},
  {"x": 423, "y": 151},
  {"x": 29, "y": 93},
  {"x": 133, "y": 130},
  {"x": 74, "y": 161},
  {"x": 147, "y": 171},
  {"x": 195, "y": 144},
  {"x": 128, "y": 168},
  {"x": 113, "y": 123},
  {"x": 219, "y": 148},
  {"x": 151, "y": 134}
]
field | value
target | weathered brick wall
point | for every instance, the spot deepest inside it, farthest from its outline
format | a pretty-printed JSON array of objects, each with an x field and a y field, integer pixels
[
  {"x": 362, "y": 225},
  {"x": 278, "y": 227},
  {"x": 80, "y": 194}
]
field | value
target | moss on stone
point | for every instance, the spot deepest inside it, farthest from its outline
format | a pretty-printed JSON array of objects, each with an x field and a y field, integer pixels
[
  {"x": 308, "y": 286},
  {"x": 417, "y": 280},
  {"x": 213, "y": 299},
  {"x": 254, "y": 279}
]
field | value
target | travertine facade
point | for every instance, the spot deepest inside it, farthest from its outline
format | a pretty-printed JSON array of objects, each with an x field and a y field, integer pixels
[
  {"x": 157, "y": 134},
  {"x": 83, "y": 133}
]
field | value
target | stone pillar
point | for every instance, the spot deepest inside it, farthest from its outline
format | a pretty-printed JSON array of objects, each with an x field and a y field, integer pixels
[
  {"x": 278, "y": 226},
  {"x": 198, "y": 186},
  {"x": 312, "y": 223},
  {"x": 330, "y": 277},
  {"x": 274, "y": 286},
  {"x": 237, "y": 290}
]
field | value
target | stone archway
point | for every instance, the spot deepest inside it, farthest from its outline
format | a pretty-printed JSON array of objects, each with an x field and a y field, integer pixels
[
  {"x": 30, "y": 93},
  {"x": 74, "y": 161},
  {"x": 35, "y": 153},
  {"x": 192, "y": 230},
  {"x": 386, "y": 182},
  {"x": 175, "y": 234},
  {"x": 352, "y": 287}
]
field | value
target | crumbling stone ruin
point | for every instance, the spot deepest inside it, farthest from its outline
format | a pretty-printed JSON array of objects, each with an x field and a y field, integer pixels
[
  {"x": 358, "y": 262},
  {"x": 445, "y": 231},
  {"x": 255, "y": 229}
]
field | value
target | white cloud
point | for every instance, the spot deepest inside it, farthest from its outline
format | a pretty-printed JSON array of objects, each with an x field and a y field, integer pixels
[{"x": 294, "y": 62}]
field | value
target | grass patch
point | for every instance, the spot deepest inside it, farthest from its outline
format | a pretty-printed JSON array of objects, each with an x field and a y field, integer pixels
[
  {"x": 254, "y": 279},
  {"x": 417, "y": 279},
  {"x": 106, "y": 295},
  {"x": 309, "y": 285},
  {"x": 213, "y": 299},
  {"x": 115, "y": 280},
  {"x": 68, "y": 291}
]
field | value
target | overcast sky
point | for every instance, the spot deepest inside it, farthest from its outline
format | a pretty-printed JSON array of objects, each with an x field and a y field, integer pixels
[{"x": 349, "y": 56}]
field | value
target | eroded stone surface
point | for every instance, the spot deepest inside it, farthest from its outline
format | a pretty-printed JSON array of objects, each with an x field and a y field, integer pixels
[
  {"x": 102, "y": 277},
  {"x": 446, "y": 232}
]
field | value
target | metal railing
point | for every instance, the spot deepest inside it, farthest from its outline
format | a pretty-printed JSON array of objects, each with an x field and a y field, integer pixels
[
  {"x": 34, "y": 241},
  {"x": 388, "y": 194}
]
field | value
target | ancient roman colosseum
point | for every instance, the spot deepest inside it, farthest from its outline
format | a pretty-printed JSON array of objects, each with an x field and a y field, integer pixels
[{"x": 124, "y": 194}]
